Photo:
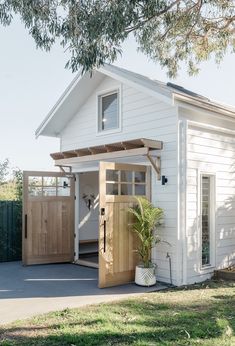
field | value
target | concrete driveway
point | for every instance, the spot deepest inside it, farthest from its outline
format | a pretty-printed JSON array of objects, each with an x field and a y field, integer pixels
[{"x": 28, "y": 291}]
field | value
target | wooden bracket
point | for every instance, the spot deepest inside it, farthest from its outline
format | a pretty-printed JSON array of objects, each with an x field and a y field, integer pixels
[
  {"x": 62, "y": 169},
  {"x": 156, "y": 163}
]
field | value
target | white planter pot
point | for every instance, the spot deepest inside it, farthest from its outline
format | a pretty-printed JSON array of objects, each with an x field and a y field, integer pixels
[{"x": 145, "y": 276}]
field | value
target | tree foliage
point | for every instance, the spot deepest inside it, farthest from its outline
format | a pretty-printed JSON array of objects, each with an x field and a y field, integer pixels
[
  {"x": 167, "y": 31},
  {"x": 4, "y": 170},
  {"x": 18, "y": 181},
  {"x": 11, "y": 182}
]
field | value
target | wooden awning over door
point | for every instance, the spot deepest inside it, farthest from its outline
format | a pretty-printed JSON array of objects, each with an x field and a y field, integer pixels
[
  {"x": 98, "y": 152},
  {"x": 112, "y": 151}
]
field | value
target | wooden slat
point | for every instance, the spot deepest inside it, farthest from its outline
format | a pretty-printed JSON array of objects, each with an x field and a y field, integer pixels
[
  {"x": 57, "y": 156},
  {"x": 71, "y": 153}
]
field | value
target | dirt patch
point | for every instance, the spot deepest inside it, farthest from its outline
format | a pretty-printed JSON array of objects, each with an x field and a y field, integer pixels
[{"x": 226, "y": 274}]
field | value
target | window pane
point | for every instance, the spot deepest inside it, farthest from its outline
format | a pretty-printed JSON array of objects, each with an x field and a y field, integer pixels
[
  {"x": 126, "y": 189},
  {"x": 35, "y": 181},
  {"x": 35, "y": 191},
  {"x": 49, "y": 191},
  {"x": 63, "y": 191},
  {"x": 112, "y": 175},
  {"x": 140, "y": 177},
  {"x": 49, "y": 181},
  {"x": 126, "y": 176},
  {"x": 140, "y": 190},
  {"x": 63, "y": 181},
  {"x": 111, "y": 189},
  {"x": 205, "y": 212},
  {"x": 109, "y": 112}
]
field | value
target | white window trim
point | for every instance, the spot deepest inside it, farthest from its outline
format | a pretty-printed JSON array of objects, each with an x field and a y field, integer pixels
[
  {"x": 107, "y": 92},
  {"x": 207, "y": 268}
]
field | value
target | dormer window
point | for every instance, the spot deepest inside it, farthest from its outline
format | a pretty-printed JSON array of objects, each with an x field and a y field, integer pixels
[{"x": 108, "y": 109}]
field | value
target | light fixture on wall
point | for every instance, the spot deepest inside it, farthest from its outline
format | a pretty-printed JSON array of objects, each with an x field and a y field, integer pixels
[
  {"x": 164, "y": 180},
  {"x": 88, "y": 199}
]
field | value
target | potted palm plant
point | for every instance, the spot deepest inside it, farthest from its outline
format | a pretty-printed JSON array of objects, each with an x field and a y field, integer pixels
[{"x": 146, "y": 219}]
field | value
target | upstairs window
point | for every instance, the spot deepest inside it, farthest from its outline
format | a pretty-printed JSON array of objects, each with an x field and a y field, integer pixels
[{"x": 108, "y": 108}]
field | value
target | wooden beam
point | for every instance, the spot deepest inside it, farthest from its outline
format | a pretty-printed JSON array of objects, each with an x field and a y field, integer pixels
[
  {"x": 156, "y": 164},
  {"x": 103, "y": 156},
  {"x": 130, "y": 145},
  {"x": 57, "y": 156},
  {"x": 98, "y": 150},
  {"x": 71, "y": 153},
  {"x": 83, "y": 152},
  {"x": 152, "y": 144},
  {"x": 62, "y": 169}
]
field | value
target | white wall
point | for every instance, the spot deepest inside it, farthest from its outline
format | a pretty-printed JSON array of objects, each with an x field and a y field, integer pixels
[
  {"x": 142, "y": 117},
  {"x": 88, "y": 219},
  {"x": 212, "y": 152}
]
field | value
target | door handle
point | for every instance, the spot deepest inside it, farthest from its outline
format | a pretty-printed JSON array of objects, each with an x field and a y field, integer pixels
[
  {"x": 25, "y": 226},
  {"x": 104, "y": 235}
]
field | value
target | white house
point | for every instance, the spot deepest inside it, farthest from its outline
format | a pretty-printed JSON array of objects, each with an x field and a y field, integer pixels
[{"x": 183, "y": 140}]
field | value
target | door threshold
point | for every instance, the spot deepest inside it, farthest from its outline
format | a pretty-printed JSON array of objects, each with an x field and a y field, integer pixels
[{"x": 87, "y": 263}]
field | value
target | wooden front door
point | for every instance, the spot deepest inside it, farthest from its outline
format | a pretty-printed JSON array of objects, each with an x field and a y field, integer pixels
[
  {"x": 119, "y": 184},
  {"x": 48, "y": 218}
]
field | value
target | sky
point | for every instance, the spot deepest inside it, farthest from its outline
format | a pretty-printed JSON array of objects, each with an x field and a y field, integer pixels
[{"x": 32, "y": 80}]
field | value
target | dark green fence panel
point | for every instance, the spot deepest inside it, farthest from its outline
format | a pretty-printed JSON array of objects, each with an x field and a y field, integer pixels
[{"x": 10, "y": 231}]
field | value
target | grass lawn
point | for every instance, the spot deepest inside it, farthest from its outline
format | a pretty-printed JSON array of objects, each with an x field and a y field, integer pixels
[{"x": 197, "y": 315}]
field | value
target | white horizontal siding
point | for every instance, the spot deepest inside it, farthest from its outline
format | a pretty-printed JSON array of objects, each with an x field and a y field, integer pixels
[
  {"x": 211, "y": 153},
  {"x": 142, "y": 116}
]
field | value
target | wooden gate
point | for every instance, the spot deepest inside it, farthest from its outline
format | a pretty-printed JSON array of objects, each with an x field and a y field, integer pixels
[
  {"x": 119, "y": 184},
  {"x": 48, "y": 218}
]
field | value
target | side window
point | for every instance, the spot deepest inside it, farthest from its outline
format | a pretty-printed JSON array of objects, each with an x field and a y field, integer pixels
[
  {"x": 207, "y": 214},
  {"x": 108, "y": 111}
]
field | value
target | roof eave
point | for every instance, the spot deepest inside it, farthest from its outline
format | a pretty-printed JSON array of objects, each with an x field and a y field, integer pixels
[
  {"x": 210, "y": 106},
  {"x": 52, "y": 112}
]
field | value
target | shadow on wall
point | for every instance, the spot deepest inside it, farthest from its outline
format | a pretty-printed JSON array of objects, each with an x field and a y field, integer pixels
[{"x": 225, "y": 233}]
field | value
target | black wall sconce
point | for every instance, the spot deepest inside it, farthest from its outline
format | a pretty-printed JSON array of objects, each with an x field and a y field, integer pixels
[
  {"x": 164, "y": 180},
  {"x": 89, "y": 200}
]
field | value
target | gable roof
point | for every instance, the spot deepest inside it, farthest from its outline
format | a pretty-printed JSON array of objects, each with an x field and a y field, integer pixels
[{"x": 82, "y": 85}]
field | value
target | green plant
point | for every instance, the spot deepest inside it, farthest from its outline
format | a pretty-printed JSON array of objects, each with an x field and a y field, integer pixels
[
  {"x": 146, "y": 219},
  {"x": 18, "y": 178}
]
